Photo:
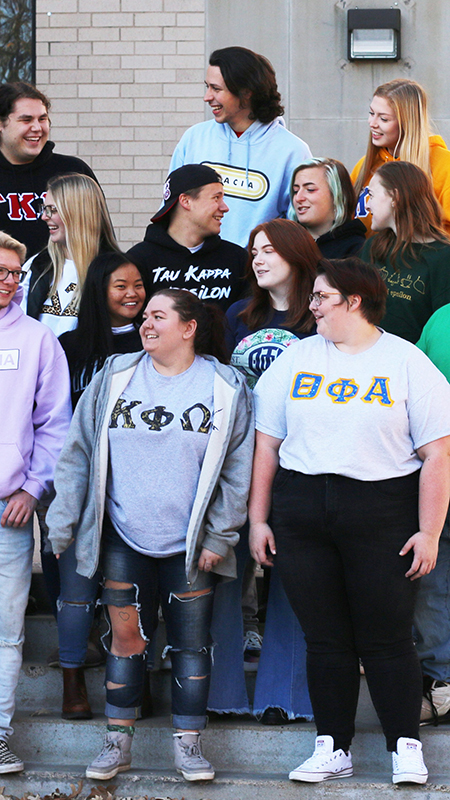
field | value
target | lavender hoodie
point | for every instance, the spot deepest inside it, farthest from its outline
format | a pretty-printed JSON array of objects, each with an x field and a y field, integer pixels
[{"x": 35, "y": 409}]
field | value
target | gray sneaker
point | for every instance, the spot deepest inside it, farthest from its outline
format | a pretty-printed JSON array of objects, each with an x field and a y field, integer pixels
[
  {"x": 114, "y": 757},
  {"x": 8, "y": 761},
  {"x": 189, "y": 759}
]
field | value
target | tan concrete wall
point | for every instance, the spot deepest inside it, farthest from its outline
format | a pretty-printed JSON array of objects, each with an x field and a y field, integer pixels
[{"x": 125, "y": 78}]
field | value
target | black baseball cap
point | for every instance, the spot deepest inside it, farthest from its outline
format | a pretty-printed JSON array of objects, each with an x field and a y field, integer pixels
[{"x": 190, "y": 176}]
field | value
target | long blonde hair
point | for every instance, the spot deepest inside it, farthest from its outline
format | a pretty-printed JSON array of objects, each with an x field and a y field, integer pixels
[
  {"x": 409, "y": 104},
  {"x": 83, "y": 210}
]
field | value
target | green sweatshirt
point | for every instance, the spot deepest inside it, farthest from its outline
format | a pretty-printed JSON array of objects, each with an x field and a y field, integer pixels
[
  {"x": 416, "y": 287},
  {"x": 435, "y": 340}
]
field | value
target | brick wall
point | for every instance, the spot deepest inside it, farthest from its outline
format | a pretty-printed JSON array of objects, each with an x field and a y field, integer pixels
[{"x": 126, "y": 79}]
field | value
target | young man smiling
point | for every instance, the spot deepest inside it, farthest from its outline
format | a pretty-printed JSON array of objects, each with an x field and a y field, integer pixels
[
  {"x": 250, "y": 147},
  {"x": 27, "y": 161},
  {"x": 35, "y": 414},
  {"x": 183, "y": 249}
]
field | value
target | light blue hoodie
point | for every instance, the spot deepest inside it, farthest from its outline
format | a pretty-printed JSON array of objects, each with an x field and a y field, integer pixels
[{"x": 256, "y": 169}]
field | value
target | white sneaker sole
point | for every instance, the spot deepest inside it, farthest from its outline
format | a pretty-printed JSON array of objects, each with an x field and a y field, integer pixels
[
  {"x": 316, "y": 777},
  {"x": 106, "y": 776},
  {"x": 197, "y": 776},
  {"x": 409, "y": 777},
  {"x": 19, "y": 767}
]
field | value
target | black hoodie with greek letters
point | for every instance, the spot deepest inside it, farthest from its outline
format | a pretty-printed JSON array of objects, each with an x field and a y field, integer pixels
[
  {"x": 214, "y": 272},
  {"x": 22, "y": 184}
]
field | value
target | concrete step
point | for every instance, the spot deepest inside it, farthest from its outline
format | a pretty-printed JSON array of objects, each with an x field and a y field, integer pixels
[
  {"x": 251, "y": 759},
  {"x": 247, "y": 756},
  {"x": 161, "y": 785}
]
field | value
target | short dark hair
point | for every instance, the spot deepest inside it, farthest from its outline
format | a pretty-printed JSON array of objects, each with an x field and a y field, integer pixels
[
  {"x": 353, "y": 276},
  {"x": 209, "y": 337},
  {"x": 11, "y": 92},
  {"x": 339, "y": 184},
  {"x": 245, "y": 71}
]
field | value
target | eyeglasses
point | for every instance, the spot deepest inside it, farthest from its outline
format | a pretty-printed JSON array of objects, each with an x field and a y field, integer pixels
[
  {"x": 17, "y": 274},
  {"x": 49, "y": 211},
  {"x": 319, "y": 297}
]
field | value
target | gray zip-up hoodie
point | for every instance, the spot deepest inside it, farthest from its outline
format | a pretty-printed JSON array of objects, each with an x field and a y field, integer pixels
[{"x": 220, "y": 504}]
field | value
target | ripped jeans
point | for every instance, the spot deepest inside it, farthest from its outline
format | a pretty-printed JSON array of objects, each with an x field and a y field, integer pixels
[
  {"x": 16, "y": 556},
  {"x": 188, "y": 622},
  {"x": 75, "y": 609}
]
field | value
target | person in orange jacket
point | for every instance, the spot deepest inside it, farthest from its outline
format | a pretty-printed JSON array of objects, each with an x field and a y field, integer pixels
[{"x": 400, "y": 130}]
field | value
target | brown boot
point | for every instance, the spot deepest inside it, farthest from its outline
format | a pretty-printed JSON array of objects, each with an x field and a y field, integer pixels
[{"x": 75, "y": 700}]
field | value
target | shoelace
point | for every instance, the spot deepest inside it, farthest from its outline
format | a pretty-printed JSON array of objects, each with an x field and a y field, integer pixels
[
  {"x": 414, "y": 758},
  {"x": 192, "y": 750},
  {"x": 108, "y": 745},
  {"x": 434, "y": 713},
  {"x": 252, "y": 640}
]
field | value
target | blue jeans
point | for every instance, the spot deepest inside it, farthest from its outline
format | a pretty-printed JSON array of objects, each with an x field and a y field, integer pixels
[
  {"x": 188, "y": 622},
  {"x": 432, "y": 614},
  {"x": 16, "y": 559},
  {"x": 75, "y": 609},
  {"x": 281, "y": 681},
  {"x": 228, "y": 692}
]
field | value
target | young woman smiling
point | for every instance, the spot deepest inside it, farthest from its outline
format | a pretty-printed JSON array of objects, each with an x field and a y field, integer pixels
[
  {"x": 281, "y": 267},
  {"x": 400, "y": 130},
  {"x": 79, "y": 229},
  {"x": 185, "y": 420},
  {"x": 324, "y": 200},
  {"x": 109, "y": 316},
  {"x": 336, "y": 499}
]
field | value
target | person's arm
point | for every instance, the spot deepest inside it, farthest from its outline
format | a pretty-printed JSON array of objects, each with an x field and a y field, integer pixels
[
  {"x": 73, "y": 471},
  {"x": 228, "y": 509},
  {"x": 265, "y": 465},
  {"x": 434, "y": 493}
]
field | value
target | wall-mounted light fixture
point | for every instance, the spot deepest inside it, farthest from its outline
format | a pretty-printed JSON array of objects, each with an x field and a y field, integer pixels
[{"x": 373, "y": 33}]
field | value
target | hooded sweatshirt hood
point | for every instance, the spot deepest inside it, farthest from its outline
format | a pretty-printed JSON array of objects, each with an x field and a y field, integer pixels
[
  {"x": 214, "y": 273},
  {"x": 256, "y": 168},
  {"x": 440, "y": 177}
]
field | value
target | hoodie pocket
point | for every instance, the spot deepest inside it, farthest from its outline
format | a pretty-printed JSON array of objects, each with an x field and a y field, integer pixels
[{"x": 12, "y": 469}]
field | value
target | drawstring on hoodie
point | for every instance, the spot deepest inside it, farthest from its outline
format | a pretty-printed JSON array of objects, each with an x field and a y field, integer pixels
[{"x": 231, "y": 135}]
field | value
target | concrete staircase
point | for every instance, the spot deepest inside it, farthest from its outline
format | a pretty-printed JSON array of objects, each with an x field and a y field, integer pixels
[{"x": 252, "y": 760}]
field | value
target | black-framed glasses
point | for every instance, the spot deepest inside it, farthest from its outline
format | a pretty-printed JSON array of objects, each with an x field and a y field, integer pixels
[
  {"x": 49, "y": 211},
  {"x": 319, "y": 297},
  {"x": 17, "y": 274}
]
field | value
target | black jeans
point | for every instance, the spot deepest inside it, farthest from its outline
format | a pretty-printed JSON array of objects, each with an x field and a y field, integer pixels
[{"x": 338, "y": 543}]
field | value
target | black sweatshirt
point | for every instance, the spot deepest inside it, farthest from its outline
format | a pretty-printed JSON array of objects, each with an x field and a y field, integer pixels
[
  {"x": 22, "y": 184},
  {"x": 214, "y": 273}
]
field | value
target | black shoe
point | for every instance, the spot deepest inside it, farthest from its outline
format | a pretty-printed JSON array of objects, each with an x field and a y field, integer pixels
[{"x": 274, "y": 716}]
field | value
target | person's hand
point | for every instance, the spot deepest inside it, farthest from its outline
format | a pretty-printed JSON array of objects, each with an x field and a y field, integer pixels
[
  {"x": 19, "y": 509},
  {"x": 425, "y": 548},
  {"x": 208, "y": 559},
  {"x": 261, "y": 538}
]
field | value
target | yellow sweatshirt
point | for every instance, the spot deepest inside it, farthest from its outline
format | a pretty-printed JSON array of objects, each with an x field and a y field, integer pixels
[{"x": 440, "y": 173}]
